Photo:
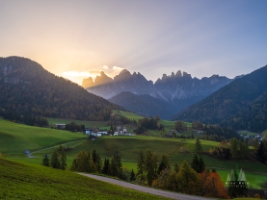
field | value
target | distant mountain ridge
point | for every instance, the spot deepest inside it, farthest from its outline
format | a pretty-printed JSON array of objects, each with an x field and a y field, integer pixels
[
  {"x": 179, "y": 88},
  {"x": 242, "y": 104},
  {"x": 27, "y": 88}
]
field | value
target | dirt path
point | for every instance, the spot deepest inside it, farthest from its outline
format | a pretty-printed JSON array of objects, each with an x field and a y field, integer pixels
[{"x": 171, "y": 195}]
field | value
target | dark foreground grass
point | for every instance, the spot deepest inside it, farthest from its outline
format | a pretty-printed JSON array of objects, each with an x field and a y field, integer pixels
[{"x": 21, "y": 181}]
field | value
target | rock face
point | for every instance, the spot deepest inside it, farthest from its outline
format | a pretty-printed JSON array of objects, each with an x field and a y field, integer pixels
[
  {"x": 168, "y": 88},
  {"x": 166, "y": 97}
]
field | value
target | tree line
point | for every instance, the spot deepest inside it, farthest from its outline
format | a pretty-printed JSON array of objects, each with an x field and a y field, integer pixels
[
  {"x": 27, "y": 119},
  {"x": 151, "y": 123}
]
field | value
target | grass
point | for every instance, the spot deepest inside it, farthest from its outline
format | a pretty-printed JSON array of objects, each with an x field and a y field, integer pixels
[
  {"x": 129, "y": 115},
  {"x": 88, "y": 124},
  {"x": 22, "y": 181},
  {"x": 264, "y": 133},
  {"x": 249, "y": 133},
  {"x": 15, "y": 138}
]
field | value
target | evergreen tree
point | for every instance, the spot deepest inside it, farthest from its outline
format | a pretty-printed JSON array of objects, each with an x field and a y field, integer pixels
[
  {"x": 106, "y": 166},
  {"x": 187, "y": 180},
  {"x": 197, "y": 164},
  {"x": 46, "y": 160},
  {"x": 97, "y": 160},
  {"x": 201, "y": 166},
  {"x": 176, "y": 167},
  {"x": 141, "y": 164},
  {"x": 132, "y": 176},
  {"x": 117, "y": 163},
  {"x": 234, "y": 148},
  {"x": 198, "y": 146},
  {"x": 149, "y": 167},
  {"x": 55, "y": 163},
  {"x": 62, "y": 157},
  {"x": 163, "y": 164}
]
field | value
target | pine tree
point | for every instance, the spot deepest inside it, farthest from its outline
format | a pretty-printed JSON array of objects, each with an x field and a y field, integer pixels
[
  {"x": 46, "y": 160},
  {"x": 176, "y": 167},
  {"x": 106, "y": 166},
  {"x": 149, "y": 167},
  {"x": 97, "y": 160},
  {"x": 163, "y": 164},
  {"x": 55, "y": 161},
  {"x": 141, "y": 163},
  {"x": 132, "y": 176},
  {"x": 62, "y": 157},
  {"x": 198, "y": 146}
]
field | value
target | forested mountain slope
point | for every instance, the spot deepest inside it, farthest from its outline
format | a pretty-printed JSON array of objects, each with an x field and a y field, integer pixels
[
  {"x": 27, "y": 88},
  {"x": 241, "y": 104}
]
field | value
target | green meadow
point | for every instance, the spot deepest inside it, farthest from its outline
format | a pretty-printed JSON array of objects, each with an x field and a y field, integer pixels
[
  {"x": 127, "y": 114},
  {"x": 14, "y": 138},
  {"x": 24, "y": 181}
]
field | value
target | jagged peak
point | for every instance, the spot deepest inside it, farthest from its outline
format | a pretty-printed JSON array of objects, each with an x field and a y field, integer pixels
[{"x": 124, "y": 71}]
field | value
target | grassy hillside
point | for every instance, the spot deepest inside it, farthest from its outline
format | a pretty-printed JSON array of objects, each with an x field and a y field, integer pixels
[
  {"x": 129, "y": 115},
  {"x": 15, "y": 138},
  {"x": 21, "y": 181}
]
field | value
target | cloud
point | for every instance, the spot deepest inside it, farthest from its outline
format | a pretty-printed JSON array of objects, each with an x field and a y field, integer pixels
[{"x": 77, "y": 76}]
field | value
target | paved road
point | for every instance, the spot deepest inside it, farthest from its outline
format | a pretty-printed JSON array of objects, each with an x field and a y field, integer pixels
[{"x": 167, "y": 194}]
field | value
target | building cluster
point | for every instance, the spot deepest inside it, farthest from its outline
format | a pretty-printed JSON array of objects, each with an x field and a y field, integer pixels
[{"x": 98, "y": 133}]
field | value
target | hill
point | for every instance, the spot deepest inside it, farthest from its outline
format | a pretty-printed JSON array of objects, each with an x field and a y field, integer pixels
[
  {"x": 27, "y": 88},
  {"x": 145, "y": 105},
  {"x": 148, "y": 106},
  {"x": 241, "y": 104},
  {"x": 168, "y": 95},
  {"x": 15, "y": 138},
  {"x": 22, "y": 181}
]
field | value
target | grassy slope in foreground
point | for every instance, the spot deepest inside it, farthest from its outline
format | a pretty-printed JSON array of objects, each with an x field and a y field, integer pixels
[
  {"x": 21, "y": 181},
  {"x": 15, "y": 138}
]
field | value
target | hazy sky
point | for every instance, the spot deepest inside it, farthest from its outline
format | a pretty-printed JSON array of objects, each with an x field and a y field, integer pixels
[{"x": 76, "y": 39}]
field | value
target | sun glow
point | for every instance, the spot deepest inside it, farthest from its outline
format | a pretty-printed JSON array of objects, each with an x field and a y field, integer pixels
[{"x": 78, "y": 76}]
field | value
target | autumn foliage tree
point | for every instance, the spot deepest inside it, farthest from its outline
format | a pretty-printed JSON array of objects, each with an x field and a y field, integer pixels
[{"x": 212, "y": 186}]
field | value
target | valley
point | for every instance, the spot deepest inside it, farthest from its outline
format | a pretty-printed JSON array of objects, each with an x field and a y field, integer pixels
[{"x": 45, "y": 140}]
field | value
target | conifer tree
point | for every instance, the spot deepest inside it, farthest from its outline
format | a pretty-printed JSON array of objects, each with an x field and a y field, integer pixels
[
  {"x": 55, "y": 163},
  {"x": 198, "y": 146},
  {"x": 46, "y": 160},
  {"x": 62, "y": 157},
  {"x": 141, "y": 164},
  {"x": 187, "y": 180},
  {"x": 176, "y": 167},
  {"x": 132, "y": 176}
]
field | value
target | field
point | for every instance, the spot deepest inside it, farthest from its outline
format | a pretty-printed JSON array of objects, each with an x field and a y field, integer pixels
[
  {"x": 129, "y": 115},
  {"x": 14, "y": 138},
  {"x": 20, "y": 180}
]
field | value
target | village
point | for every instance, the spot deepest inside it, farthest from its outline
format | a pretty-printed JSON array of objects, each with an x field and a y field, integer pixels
[{"x": 95, "y": 132}]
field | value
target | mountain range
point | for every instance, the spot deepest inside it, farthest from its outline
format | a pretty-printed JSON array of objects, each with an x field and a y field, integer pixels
[
  {"x": 242, "y": 104},
  {"x": 27, "y": 88},
  {"x": 166, "y": 97}
]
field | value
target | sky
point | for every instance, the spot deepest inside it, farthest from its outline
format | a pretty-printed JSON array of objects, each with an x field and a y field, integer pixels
[{"x": 78, "y": 39}]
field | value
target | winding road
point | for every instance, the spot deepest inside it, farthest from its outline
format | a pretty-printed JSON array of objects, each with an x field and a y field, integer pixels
[{"x": 171, "y": 195}]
